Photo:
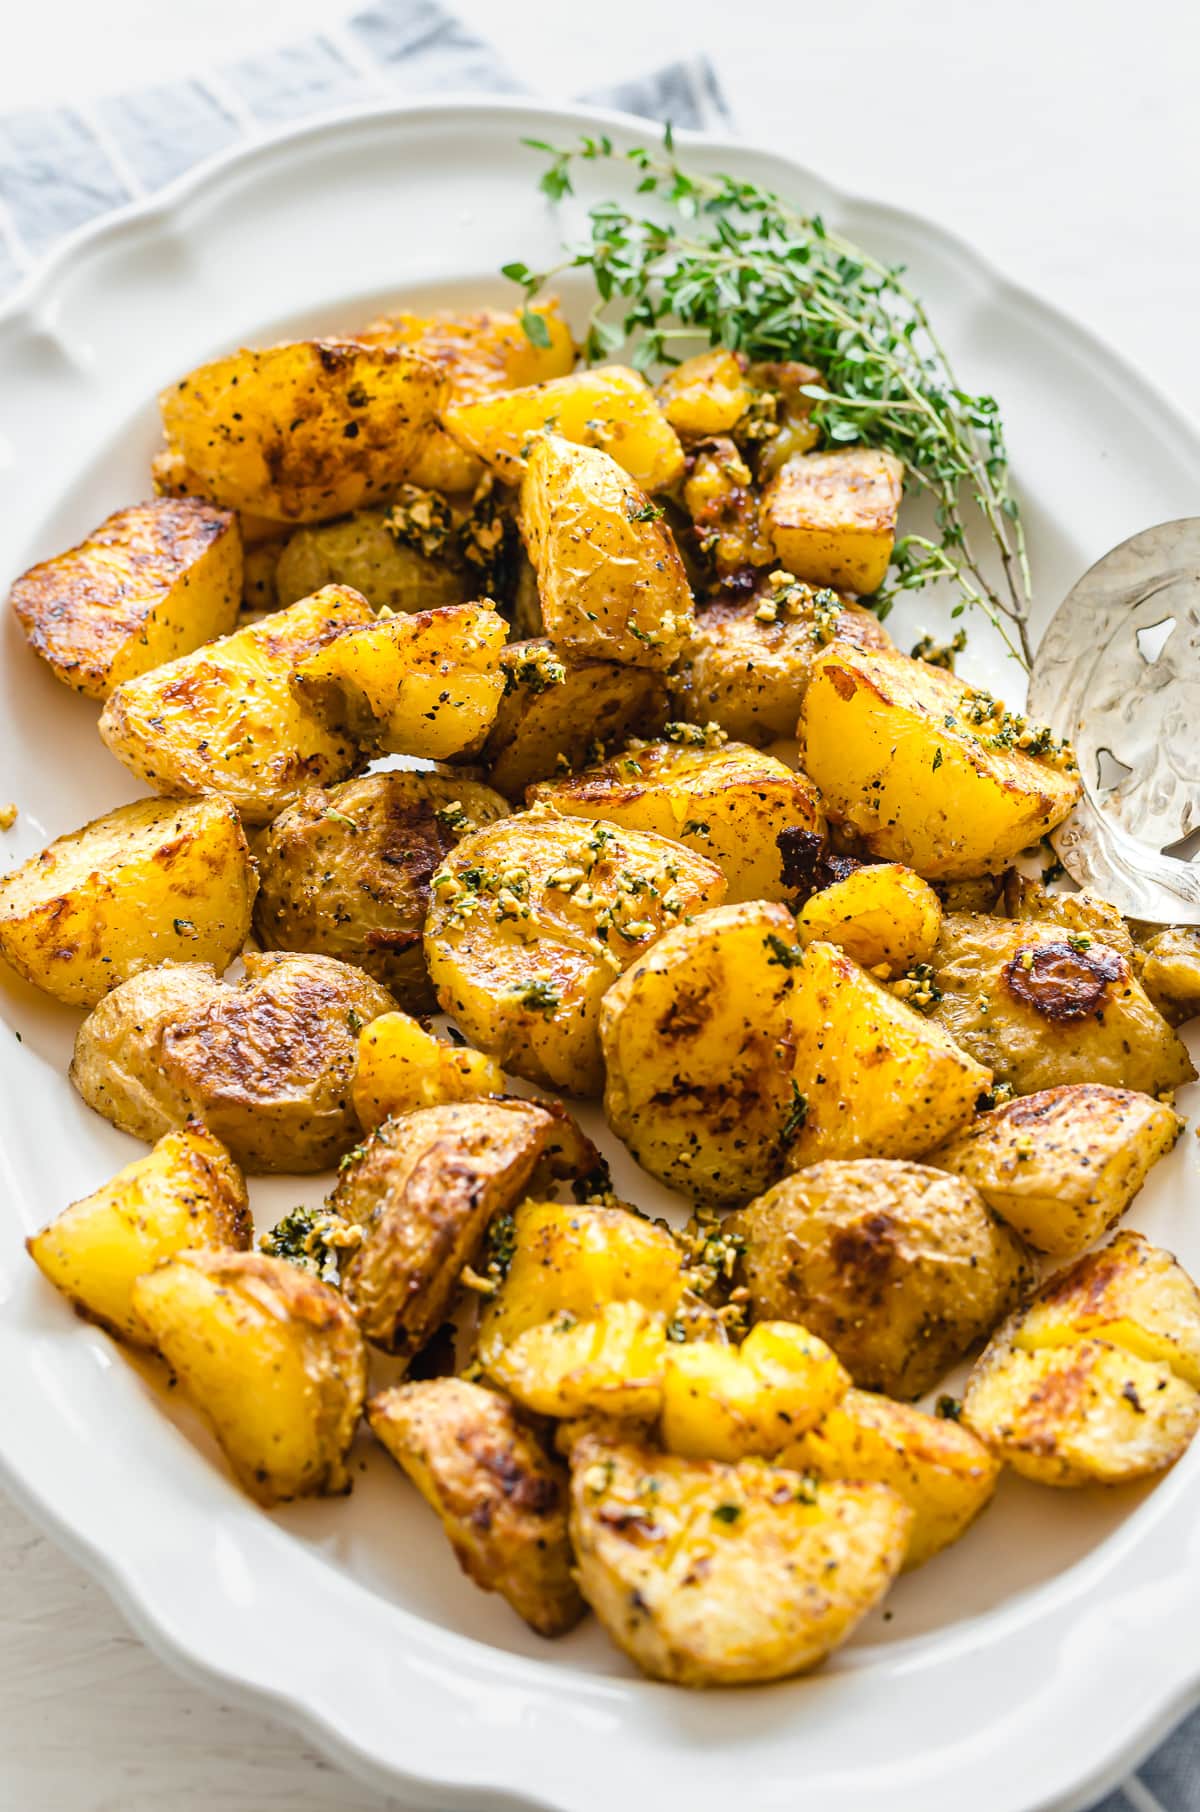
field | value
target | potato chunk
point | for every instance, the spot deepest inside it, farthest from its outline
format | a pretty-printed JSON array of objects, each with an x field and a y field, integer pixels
[
  {"x": 555, "y": 708},
  {"x": 532, "y": 919},
  {"x": 883, "y": 915},
  {"x": 899, "y": 1267},
  {"x": 952, "y": 799},
  {"x": 715, "y": 1575},
  {"x": 362, "y": 552},
  {"x": 610, "y": 579},
  {"x": 427, "y": 684},
  {"x": 152, "y": 582},
  {"x": 1063, "y": 1165},
  {"x": 832, "y": 516},
  {"x": 1130, "y": 1294},
  {"x": 225, "y": 720},
  {"x": 722, "y": 1403},
  {"x": 609, "y": 407},
  {"x": 728, "y": 803},
  {"x": 271, "y": 1357},
  {"x": 1169, "y": 970},
  {"x": 501, "y": 1498},
  {"x": 942, "y": 1471},
  {"x": 151, "y": 882},
  {"x": 303, "y": 431},
  {"x": 705, "y": 395},
  {"x": 186, "y": 1192},
  {"x": 402, "y": 1067}
]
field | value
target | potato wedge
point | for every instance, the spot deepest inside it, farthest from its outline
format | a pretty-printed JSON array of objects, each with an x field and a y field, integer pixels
[
  {"x": 722, "y": 1403},
  {"x": 362, "y": 552},
  {"x": 715, "y": 1575},
  {"x": 883, "y": 915},
  {"x": 533, "y": 917},
  {"x": 151, "y": 882},
  {"x": 501, "y": 1498},
  {"x": 272, "y": 1358},
  {"x": 898, "y": 1266},
  {"x": 952, "y": 799},
  {"x": 428, "y": 684},
  {"x": 187, "y": 1192},
  {"x": 555, "y": 710},
  {"x": 705, "y": 395},
  {"x": 302, "y": 431},
  {"x": 225, "y": 720},
  {"x": 1062, "y": 1166},
  {"x": 152, "y": 582},
  {"x": 402, "y": 1067},
  {"x": 832, "y": 516}
]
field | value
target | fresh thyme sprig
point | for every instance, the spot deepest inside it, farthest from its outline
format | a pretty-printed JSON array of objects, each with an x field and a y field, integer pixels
[{"x": 742, "y": 269}]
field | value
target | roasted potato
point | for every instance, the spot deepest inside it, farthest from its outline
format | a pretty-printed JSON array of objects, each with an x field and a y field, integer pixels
[
  {"x": 720, "y": 498},
  {"x": 610, "y": 407},
  {"x": 424, "y": 1187},
  {"x": 925, "y": 769},
  {"x": 268, "y": 1063},
  {"x": 361, "y": 551},
  {"x": 152, "y": 582},
  {"x": 346, "y": 871},
  {"x": 225, "y": 720},
  {"x": 1168, "y": 961},
  {"x": 942, "y": 1471},
  {"x": 883, "y": 915},
  {"x": 401, "y": 1067},
  {"x": 1131, "y": 1294},
  {"x": 1063, "y": 1165},
  {"x": 832, "y": 516},
  {"x": 715, "y": 1575},
  {"x": 1043, "y": 1005},
  {"x": 747, "y": 663},
  {"x": 186, "y": 1192},
  {"x": 260, "y": 567},
  {"x": 428, "y": 684},
  {"x": 782, "y": 412},
  {"x": 555, "y": 711},
  {"x": 610, "y": 580},
  {"x": 728, "y": 803},
  {"x": 151, "y": 882},
  {"x": 899, "y": 1267},
  {"x": 705, "y": 395},
  {"x": 272, "y": 1358},
  {"x": 303, "y": 431},
  {"x": 499, "y": 1495},
  {"x": 534, "y": 916},
  {"x": 722, "y": 1403}
]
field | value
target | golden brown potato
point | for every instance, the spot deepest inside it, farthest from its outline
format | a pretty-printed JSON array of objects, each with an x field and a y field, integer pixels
[
  {"x": 303, "y": 431},
  {"x": 1063, "y": 1165},
  {"x": 926, "y": 769},
  {"x": 832, "y": 516},
  {"x": 722, "y": 1403},
  {"x": 225, "y": 720},
  {"x": 898, "y": 1266},
  {"x": 610, "y": 580},
  {"x": 1131, "y": 1294},
  {"x": 402, "y": 1067},
  {"x": 346, "y": 871},
  {"x": 883, "y": 915},
  {"x": 186, "y": 1192},
  {"x": 942, "y": 1471},
  {"x": 268, "y": 1063},
  {"x": 424, "y": 1188},
  {"x": 781, "y": 419},
  {"x": 152, "y": 582},
  {"x": 272, "y": 1358},
  {"x": 362, "y": 552},
  {"x": 534, "y": 916},
  {"x": 715, "y": 1575},
  {"x": 728, "y": 803},
  {"x": 1169, "y": 970},
  {"x": 151, "y": 882},
  {"x": 705, "y": 395},
  {"x": 501, "y": 1498},
  {"x": 427, "y": 684},
  {"x": 260, "y": 567},
  {"x": 720, "y": 498},
  {"x": 1043, "y": 1005},
  {"x": 556, "y": 710}
]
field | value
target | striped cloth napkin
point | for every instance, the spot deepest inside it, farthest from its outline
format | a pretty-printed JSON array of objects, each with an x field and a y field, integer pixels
[{"x": 62, "y": 167}]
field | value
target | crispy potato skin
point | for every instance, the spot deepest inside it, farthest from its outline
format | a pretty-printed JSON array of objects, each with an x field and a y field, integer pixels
[
  {"x": 705, "y": 395},
  {"x": 730, "y": 804},
  {"x": 883, "y": 915},
  {"x": 303, "y": 431},
  {"x": 610, "y": 580},
  {"x": 152, "y": 582},
  {"x": 499, "y": 1495},
  {"x": 714, "y": 1575},
  {"x": 832, "y": 516},
  {"x": 523, "y": 972},
  {"x": 224, "y": 719},
  {"x": 361, "y": 552},
  {"x": 898, "y": 1266},
  {"x": 424, "y": 1188},
  {"x": 271, "y": 1356},
  {"x": 154, "y": 881},
  {"x": 723, "y": 1403},
  {"x": 1062, "y": 1166},
  {"x": 917, "y": 791},
  {"x": 117, "y": 1062},
  {"x": 186, "y": 1192},
  {"x": 1040, "y": 1010},
  {"x": 345, "y": 871},
  {"x": 537, "y": 723},
  {"x": 402, "y": 1067}
]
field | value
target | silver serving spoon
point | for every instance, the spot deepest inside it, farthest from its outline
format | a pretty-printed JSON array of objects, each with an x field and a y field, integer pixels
[{"x": 1118, "y": 671}]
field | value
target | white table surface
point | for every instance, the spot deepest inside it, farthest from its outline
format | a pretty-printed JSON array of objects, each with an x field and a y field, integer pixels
[{"x": 1062, "y": 137}]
